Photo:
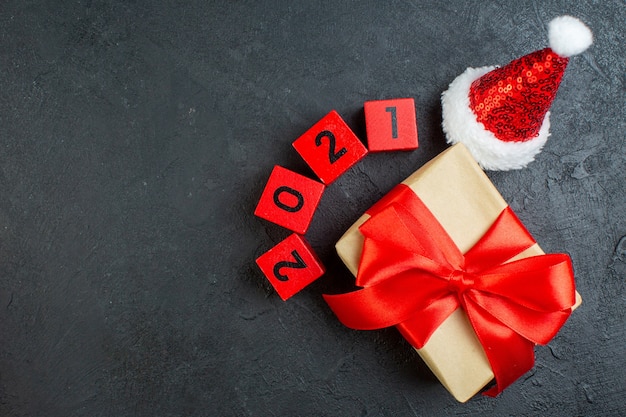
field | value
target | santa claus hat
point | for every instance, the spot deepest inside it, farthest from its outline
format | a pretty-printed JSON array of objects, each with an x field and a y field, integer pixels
[{"x": 501, "y": 114}]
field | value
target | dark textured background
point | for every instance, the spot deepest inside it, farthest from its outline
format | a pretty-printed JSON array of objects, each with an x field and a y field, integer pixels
[{"x": 135, "y": 140}]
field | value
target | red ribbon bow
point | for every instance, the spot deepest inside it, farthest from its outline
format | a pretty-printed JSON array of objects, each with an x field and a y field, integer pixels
[{"x": 414, "y": 276}]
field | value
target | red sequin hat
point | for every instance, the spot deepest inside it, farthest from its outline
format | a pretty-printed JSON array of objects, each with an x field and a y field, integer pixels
[{"x": 501, "y": 114}]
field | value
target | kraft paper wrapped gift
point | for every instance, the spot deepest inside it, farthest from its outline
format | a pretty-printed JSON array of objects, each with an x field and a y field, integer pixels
[{"x": 465, "y": 202}]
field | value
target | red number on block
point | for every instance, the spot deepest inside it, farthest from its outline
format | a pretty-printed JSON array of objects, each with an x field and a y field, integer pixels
[
  {"x": 330, "y": 147},
  {"x": 289, "y": 199},
  {"x": 391, "y": 125},
  {"x": 290, "y": 266}
]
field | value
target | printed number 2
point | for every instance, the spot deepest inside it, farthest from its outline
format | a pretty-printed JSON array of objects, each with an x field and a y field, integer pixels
[
  {"x": 299, "y": 264},
  {"x": 394, "y": 122},
  {"x": 332, "y": 155}
]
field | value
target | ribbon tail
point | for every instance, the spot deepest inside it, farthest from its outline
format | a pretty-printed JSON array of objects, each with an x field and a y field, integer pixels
[
  {"x": 387, "y": 303},
  {"x": 510, "y": 355},
  {"x": 420, "y": 326}
]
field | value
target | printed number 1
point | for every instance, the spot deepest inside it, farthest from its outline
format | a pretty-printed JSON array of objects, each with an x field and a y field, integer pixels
[
  {"x": 299, "y": 264},
  {"x": 394, "y": 122}
]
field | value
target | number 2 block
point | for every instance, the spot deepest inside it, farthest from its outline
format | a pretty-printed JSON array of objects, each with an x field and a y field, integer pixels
[
  {"x": 330, "y": 147},
  {"x": 290, "y": 266},
  {"x": 289, "y": 199},
  {"x": 391, "y": 125}
]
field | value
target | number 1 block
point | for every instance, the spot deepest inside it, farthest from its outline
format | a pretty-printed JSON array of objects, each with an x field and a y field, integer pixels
[
  {"x": 330, "y": 147},
  {"x": 290, "y": 266},
  {"x": 289, "y": 199},
  {"x": 391, "y": 125}
]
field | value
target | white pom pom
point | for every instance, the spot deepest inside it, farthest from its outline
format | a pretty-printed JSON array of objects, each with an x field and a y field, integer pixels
[{"x": 569, "y": 36}]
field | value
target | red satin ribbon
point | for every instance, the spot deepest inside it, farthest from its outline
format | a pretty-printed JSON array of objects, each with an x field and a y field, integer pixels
[{"x": 414, "y": 276}]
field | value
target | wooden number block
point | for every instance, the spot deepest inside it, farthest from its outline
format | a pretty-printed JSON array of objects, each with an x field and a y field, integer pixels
[
  {"x": 330, "y": 147},
  {"x": 290, "y": 266},
  {"x": 391, "y": 125},
  {"x": 289, "y": 199}
]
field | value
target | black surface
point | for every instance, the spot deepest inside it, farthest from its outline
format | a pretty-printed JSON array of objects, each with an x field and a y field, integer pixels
[{"x": 136, "y": 139}]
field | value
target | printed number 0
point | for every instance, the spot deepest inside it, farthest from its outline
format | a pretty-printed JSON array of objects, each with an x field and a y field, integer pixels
[
  {"x": 288, "y": 190},
  {"x": 299, "y": 264},
  {"x": 332, "y": 155}
]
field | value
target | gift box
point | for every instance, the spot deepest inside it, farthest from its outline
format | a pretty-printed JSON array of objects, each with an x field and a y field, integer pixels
[{"x": 450, "y": 203}]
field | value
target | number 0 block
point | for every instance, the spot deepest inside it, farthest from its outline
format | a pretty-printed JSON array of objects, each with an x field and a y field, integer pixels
[
  {"x": 289, "y": 199},
  {"x": 290, "y": 266},
  {"x": 330, "y": 147},
  {"x": 391, "y": 125}
]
